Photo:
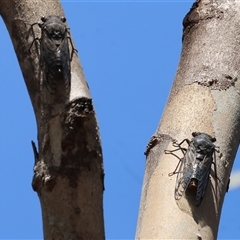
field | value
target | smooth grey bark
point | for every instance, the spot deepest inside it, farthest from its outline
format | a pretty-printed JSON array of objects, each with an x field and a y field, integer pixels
[
  {"x": 205, "y": 97},
  {"x": 68, "y": 172}
]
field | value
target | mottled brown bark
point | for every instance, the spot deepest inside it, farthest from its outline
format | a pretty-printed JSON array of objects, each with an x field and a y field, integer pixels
[
  {"x": 68, "y": 172},
  {"x": 205, "y": 97}
]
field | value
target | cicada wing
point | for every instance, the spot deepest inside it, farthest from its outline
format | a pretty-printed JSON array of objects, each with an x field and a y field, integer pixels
[
  {"x": 185, "y": 173},
  {"x": 65, "y": 61},
  {"x": 48, "y": 61},
  {"x": 47, "y": 50},
  {"x": 204, "y": 171}
]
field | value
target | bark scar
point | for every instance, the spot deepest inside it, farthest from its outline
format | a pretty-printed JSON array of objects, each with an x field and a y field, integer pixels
[{"x": 154, "y": 140}]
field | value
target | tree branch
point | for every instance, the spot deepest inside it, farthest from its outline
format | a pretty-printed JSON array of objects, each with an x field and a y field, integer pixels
[
  {"x": 204, "y": 98},
  {"x": 68, "y": 175}
]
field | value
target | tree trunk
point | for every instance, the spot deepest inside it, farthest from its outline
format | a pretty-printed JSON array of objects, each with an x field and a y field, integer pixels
[
  {"x": 68, "y": 172},
  {"x": 205, "y": 97}
]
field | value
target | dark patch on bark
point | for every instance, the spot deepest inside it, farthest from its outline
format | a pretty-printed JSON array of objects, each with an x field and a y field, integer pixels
[
  {"x": 72, "y": 164},
  {"x": 77, "y": 210},
  {"x": 154, "y": 140},
  {"x": 191, "y": 19},
  {"x": 222, "y": 83},
  {"x": 77, "y": 113},
  {"x": 78, "y": 151},
  {"x": 155, "y": 151},
  {"x": 201, "y": 12}
]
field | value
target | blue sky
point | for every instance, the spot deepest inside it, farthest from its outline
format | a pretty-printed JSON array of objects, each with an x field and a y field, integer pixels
[{"x": 129, "y": 51}]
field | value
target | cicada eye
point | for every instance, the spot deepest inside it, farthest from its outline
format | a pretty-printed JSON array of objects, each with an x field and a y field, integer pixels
[
  {"x": 63, "y": 19},
  {"x": 194, "y": 134},
  {"x": 43, "y": 19},
  {"x": 213, "y": 139}
]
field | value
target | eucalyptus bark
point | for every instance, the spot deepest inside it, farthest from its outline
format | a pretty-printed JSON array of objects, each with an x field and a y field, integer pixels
[
  {"x": 205, "y": 97},
  {"x": 68, "y": 171}
]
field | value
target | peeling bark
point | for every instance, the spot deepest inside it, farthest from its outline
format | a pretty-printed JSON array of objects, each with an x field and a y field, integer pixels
[
  {"x": 68, "y": 171},
  {"x": 205, "y": 97}
]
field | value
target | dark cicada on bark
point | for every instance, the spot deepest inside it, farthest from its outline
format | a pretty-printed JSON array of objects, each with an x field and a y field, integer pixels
[
  {"x": 194, "y": 168},
  {"x": 55, "y": 57}
]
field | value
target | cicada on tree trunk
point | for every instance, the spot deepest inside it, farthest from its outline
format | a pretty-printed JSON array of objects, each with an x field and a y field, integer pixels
[
  {"x": 194, "y": 168},
  {"x": 55, "y": 57}
]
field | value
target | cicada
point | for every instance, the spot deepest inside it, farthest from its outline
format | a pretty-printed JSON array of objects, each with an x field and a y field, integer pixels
[
  {"x": 55, "y": 57},
  {"x": 194, "y": 168}
]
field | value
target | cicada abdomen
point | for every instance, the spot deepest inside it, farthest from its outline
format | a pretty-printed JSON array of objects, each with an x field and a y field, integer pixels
[{"x": 195, "y": 166}]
